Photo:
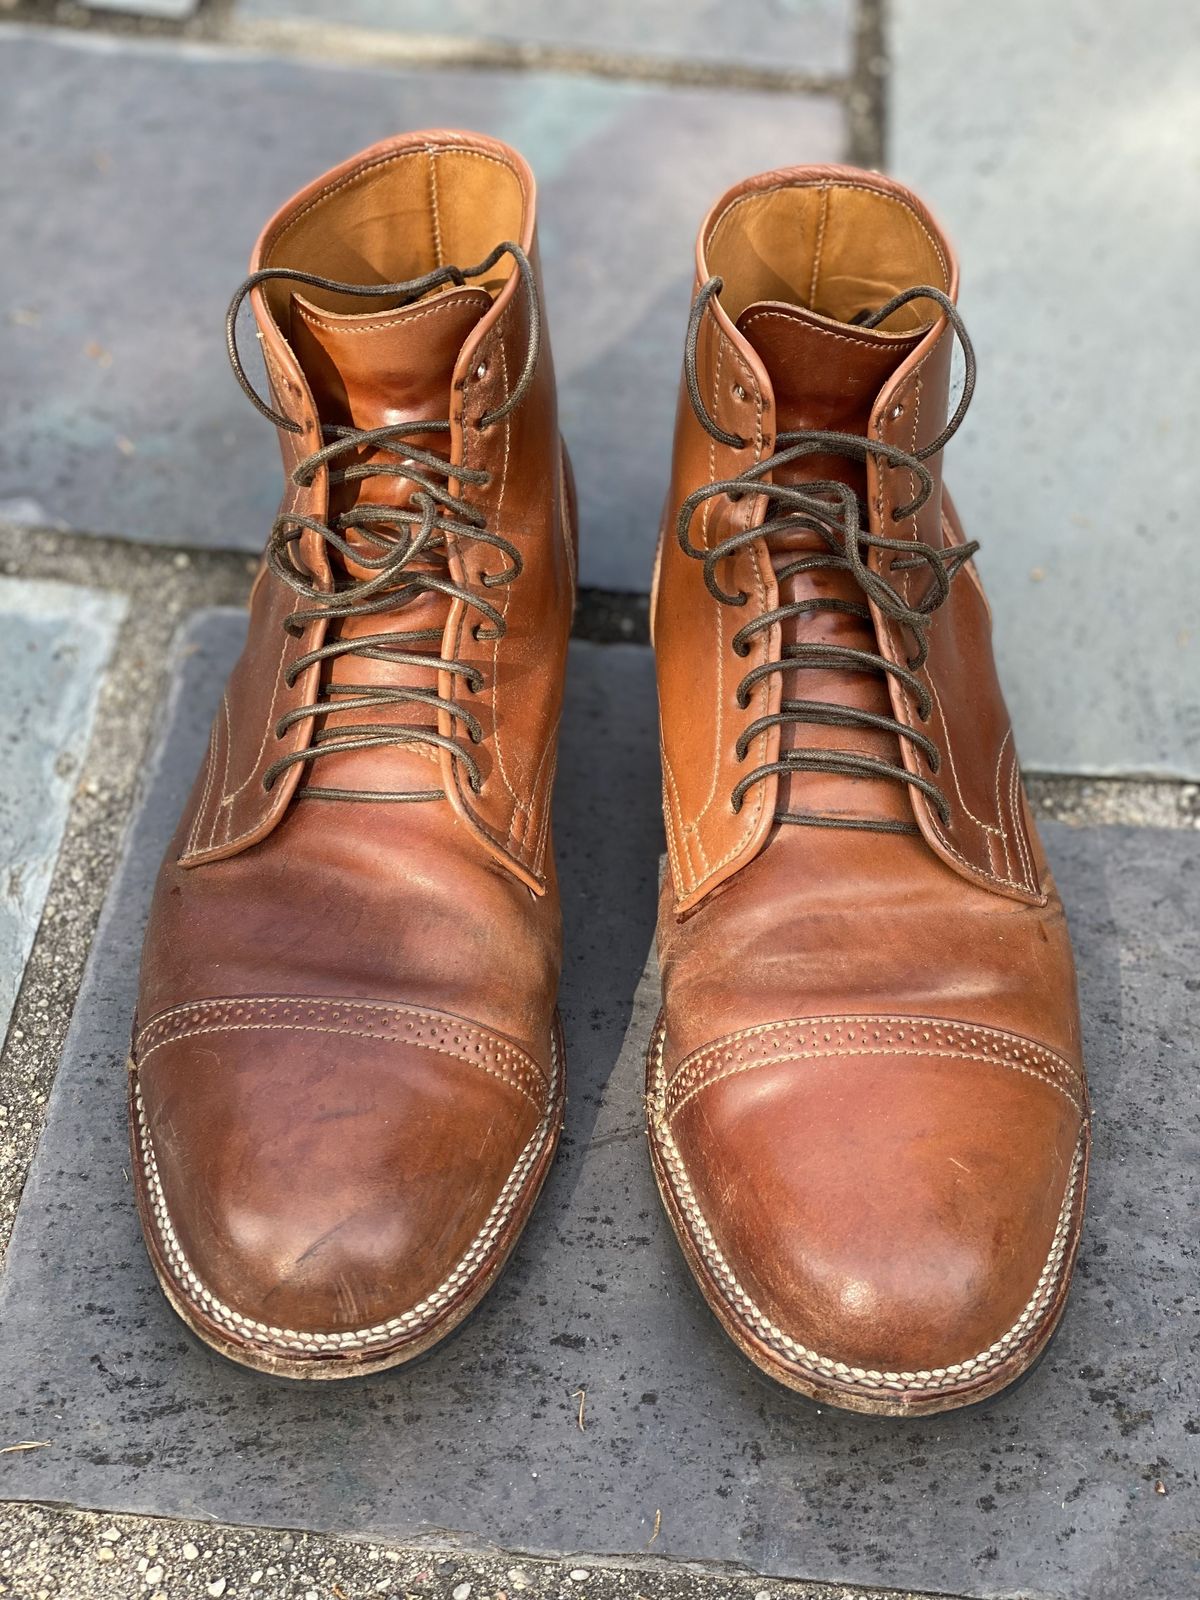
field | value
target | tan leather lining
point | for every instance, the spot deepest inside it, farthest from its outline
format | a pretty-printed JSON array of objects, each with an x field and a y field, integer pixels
[
  {"x": 819, "y": 246},
  {"x": 399, "y": 218}
]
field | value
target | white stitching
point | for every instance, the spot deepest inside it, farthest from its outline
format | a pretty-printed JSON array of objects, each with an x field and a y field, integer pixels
[
  {"x": 930, "y": 1380},
  {"x": 880, "y": 1036},
  {"x": 411, "y": 1321}
]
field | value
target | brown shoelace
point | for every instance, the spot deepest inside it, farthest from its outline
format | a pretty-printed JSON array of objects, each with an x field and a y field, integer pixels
[
  {"x": 389, "y": 544},
  {"x": 833, "y": 511}
]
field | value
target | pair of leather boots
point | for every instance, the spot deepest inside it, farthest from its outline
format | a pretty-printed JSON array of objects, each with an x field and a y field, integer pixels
[{"x": 866, "y": 1103}]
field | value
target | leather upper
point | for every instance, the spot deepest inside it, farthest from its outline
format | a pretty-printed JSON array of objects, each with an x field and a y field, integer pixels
[
  {"x": 986, "y": 837},
  {"x": 347, "y": 1079},
  {"x": 867, "y": 1103}
]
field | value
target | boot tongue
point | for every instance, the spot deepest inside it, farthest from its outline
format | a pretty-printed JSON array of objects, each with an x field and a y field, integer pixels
[
  {"x": 825, "y": 375},
  {"x": 828, "y": 376},
  {"x": 371, "y": 368},
  {"x": 368, "y": 370}
]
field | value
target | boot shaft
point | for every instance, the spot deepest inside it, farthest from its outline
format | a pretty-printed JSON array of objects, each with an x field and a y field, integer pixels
[
  {"x": 793, "y": 676},
  {"x": 398, "y": 330}
]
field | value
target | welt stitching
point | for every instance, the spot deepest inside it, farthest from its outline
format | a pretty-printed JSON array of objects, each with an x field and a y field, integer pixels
[
  {"x": 929, "y": 1380},
  {"x": 412, "y": 1320}
]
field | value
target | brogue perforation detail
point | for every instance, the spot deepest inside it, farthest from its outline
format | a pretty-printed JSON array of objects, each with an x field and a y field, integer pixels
[
  {"x": 272, "y": 1339},
  {"x": 388, "y": 1023},
  {"x": 851, "y": 1036},
  {"x": 926, "y": 1381}
]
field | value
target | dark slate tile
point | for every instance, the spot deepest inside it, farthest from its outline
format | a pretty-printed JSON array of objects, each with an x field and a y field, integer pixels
[
  {"x": 164, "y": 162},
  {"x": 815, "y": 36},
  {"x": 1052, "y": 1491}
]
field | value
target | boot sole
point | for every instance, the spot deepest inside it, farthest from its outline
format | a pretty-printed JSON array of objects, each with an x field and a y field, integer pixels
[
  {"x": 913, "y": 1400},
  {"x": 347, "y": 1362}
]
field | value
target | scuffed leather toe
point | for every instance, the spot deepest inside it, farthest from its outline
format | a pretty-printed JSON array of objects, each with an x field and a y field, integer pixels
[
  {"x": 332, "y": 1183},
  {"x": 885, "y": 1251}
]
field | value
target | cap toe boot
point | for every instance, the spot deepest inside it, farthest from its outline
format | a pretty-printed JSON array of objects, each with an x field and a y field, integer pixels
[
  {"x": 868, "y": 1113},
  {"x": 346, "y": 1083}
]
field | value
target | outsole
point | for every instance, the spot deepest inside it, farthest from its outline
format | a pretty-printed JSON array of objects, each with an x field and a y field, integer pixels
[{"x": 355, "y": 1364}]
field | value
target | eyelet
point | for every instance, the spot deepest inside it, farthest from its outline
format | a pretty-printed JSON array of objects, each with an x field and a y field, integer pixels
[
  {"x": 481, "y": 371},
  {"x": 738, "y": 392}
]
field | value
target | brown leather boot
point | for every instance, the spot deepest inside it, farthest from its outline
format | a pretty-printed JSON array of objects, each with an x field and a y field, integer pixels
[
  {"x": 868, "y": 1113},
  {"x": 347, "y": 1074}
]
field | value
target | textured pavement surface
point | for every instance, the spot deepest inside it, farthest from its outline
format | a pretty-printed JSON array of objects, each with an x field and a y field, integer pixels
[
  {"x": 1059, "y": 146},
  {"x": 814, "y": 35},
  {"x": 480, "y": 1442},
  {"x": 55, "y": 641},
  {"x": 116, "y": 295}
]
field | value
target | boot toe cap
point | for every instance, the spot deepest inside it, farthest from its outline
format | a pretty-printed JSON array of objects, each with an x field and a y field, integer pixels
[
  {"x": 886, "y": 1211},
  {"x": 334, "y": 1185}
]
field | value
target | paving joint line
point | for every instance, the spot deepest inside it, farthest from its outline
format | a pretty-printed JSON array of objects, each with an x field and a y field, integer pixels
[
  {"x": 867, "y": 91},
  {"x": 343, "y": 44}
]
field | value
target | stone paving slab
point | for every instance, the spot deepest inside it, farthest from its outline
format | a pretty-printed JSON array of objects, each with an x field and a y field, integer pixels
[
  {"x": 164, "y": 161},
  {"x": 1058, "y": 144},
  {"x": 1051, "y": 1491},
  {"x": 55, "y": 640},
  {"x": 813, "y": 36}
]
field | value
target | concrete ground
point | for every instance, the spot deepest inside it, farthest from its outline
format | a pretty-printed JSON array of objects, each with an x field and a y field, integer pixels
[{"x": 828, "y": 71}]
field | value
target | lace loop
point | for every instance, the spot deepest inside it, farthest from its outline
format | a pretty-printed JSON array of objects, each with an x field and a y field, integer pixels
[
  {"x": 391, "y": 546},
  {"x": 833, "y": 511}
]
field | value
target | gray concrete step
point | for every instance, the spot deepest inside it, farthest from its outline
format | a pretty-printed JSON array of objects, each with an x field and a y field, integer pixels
[
  {"x": 1055, "y": 1490},
  {"x": 1058, "y": 144}
]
